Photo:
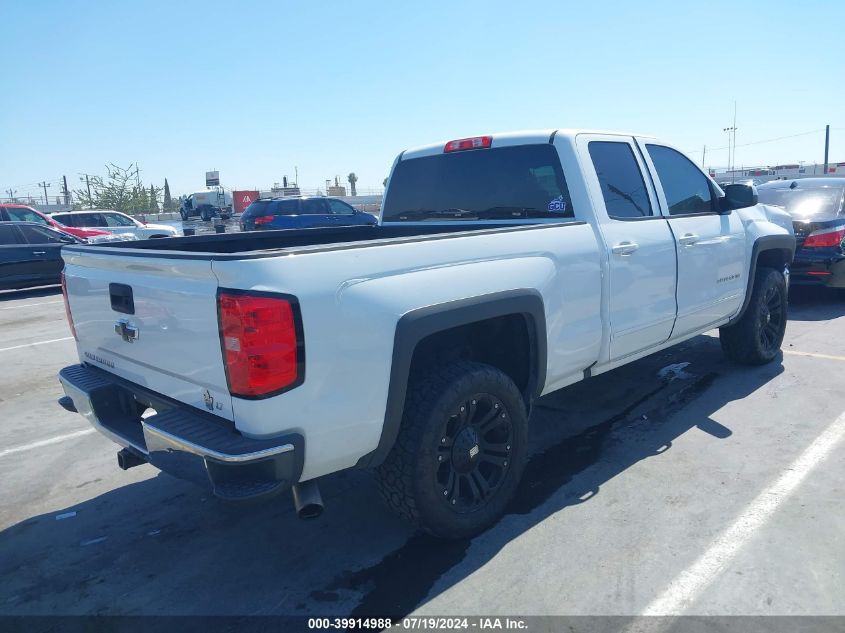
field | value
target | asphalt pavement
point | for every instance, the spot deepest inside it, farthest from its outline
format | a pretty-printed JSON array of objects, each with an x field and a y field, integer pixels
[{"x": 679, "y": 484}]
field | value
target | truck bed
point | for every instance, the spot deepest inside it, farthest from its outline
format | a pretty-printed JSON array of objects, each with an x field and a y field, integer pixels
[{"x": 271, "y": 242}]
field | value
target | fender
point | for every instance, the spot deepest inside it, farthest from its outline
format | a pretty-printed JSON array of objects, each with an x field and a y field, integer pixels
[
  {"x": 416, "y": 325},
  {"x": 761, "y": 244}
]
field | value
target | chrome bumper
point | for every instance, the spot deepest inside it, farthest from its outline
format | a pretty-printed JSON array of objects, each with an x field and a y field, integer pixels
[{"x": 182, "y": 441}]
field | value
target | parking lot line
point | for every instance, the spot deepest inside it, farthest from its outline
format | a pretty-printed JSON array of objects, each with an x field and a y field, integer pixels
[
  {"x": 30, "y": 305},
  {"x": 47, "y": 442},
  {"x": 689, "y": 584},
  {"x": 813, "y": 355},
  {"x": 55, "y": 340}
]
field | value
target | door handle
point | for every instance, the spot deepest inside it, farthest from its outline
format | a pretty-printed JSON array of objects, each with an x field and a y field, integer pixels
[
  {"x": 624, "y": 248},
  {"x": 39, "y": 252},
  {"x": 688, "y": 239}
]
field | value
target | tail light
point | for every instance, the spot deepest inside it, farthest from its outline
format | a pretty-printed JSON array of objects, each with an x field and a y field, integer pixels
[
  {"x": 476, "y": 142},
  {"x": 825, "y": 238},
  {"x": 67, "y": 307},
  {"x": 262, "y": 342},
  {"x": 264, "y": 219}
]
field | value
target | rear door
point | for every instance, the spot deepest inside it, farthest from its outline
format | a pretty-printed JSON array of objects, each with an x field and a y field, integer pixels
[
  {"x": 638, "y": 241},
  {"x": 710, "y": 246},
  {"x": 315, "y": 212},
  {"x": 14, "y": 257}
]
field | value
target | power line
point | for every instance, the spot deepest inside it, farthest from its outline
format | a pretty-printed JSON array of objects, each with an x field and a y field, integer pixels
[{"x": 770, "y": 140}]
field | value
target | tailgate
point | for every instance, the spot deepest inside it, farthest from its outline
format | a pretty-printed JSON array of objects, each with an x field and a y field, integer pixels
[{"x": 169, "y": 343}]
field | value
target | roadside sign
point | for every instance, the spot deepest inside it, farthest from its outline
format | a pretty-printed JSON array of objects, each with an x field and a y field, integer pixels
[
  {"x": 212, "y": 179},
  {"x": 242, "y": 199}
]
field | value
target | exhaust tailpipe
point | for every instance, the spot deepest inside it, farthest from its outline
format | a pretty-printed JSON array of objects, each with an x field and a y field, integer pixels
[
  {"x": 307, "y": 499},
  {"x": 126, "y": 459}
]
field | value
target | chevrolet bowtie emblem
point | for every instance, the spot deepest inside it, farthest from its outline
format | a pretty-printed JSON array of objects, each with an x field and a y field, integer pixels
[{"x": 127, "y": 332}]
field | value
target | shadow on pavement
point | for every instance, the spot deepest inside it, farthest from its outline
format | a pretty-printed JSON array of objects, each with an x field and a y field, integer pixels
[
  {"x": 161, "y": 546},
  {"x": 30, "y": 293},
  {"x": 808, "y": 303}
]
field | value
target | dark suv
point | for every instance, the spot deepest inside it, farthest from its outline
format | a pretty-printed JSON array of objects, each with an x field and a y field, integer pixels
[{"x": 300, "y": 213}]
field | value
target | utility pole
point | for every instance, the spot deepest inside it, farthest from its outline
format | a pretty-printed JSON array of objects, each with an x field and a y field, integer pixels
[
  {"x": 86, "y": 178},
  {"x": 44, "y": 184},
  {"x": 65, "y": 191},
  {"x": 11, "y": 193},
  {"x": 826, "y": 146},
  {"x": 733, "y": 156},
  {"x": 703, "y": 154}
]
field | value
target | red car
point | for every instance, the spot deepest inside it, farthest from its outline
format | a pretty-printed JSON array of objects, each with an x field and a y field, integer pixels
[{"x": 23, "y": 213}]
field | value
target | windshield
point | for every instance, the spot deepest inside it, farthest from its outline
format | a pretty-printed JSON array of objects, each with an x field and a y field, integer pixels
[
  {"x": 507, "y": 183},
  {"x": 805, "y": 203}
]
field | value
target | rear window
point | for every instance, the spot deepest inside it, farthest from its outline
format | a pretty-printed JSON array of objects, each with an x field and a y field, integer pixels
[
  {"x": 261, "y": 208},
  {"x": 819, "y": 202},
  {"x": 505, "y": 183}
]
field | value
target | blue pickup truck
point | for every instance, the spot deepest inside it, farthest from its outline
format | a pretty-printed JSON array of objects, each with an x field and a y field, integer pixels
[{"x": 300, "y": 213}]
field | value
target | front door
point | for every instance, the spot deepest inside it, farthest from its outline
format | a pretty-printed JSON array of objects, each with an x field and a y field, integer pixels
[
  {"x": 45, "y": 252},
  {"x": 640, "y": 246},
  {"x": 710, "y": 245}
]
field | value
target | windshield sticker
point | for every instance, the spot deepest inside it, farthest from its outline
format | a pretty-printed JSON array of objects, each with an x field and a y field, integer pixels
[{"x": 558, "y": 204}]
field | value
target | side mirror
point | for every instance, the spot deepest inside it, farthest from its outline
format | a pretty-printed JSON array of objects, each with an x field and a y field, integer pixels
[{"x": 738, "y": 197}]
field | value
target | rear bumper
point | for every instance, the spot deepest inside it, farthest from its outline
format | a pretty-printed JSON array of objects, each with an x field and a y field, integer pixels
[
  {"x": 183, "y": 441},
  {"x": 822, "y": 269}
]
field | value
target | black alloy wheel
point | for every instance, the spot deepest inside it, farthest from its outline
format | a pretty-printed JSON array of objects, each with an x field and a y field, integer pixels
[{"x": 474, "y": 452}]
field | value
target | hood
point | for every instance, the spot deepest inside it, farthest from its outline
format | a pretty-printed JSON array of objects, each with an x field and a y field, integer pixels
[{"x": 161, "y": 227}]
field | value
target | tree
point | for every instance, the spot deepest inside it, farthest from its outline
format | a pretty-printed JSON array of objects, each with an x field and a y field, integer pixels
[
  {"x": 384, "y": 183},
  {"x": 153, "y": 200},
  {"x": 120, "y": 190},
  {"x": 168, "y": 201},
  {"x": 352, "y": 178}
]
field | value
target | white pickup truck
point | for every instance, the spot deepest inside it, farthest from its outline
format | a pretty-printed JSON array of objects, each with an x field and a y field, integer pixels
[{"x": 503, "y": 267}]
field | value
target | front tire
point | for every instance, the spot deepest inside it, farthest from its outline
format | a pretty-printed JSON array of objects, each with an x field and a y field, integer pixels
[
  {"x": 460, "y": 452},
  {"x": 756, "y": 338}
]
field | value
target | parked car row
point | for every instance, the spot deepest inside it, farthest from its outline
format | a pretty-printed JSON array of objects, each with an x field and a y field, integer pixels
[{"x": 23, "y": 213}]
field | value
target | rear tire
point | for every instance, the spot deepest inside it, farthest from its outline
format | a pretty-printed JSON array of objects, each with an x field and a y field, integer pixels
[
  {"x": 460, "y": 452},
  {"x": 756, "y": 338}
]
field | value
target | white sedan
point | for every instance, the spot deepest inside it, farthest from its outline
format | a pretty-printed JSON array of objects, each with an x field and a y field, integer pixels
[{"x": 114, "y": 222}]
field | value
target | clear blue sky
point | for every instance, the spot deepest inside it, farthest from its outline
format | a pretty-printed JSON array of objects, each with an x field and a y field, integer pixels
[{"x": 255, "y": 88}]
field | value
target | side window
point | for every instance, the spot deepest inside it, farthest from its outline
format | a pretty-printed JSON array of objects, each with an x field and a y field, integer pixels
[
  {"x": 8, "y": 235},
  {"x": 314, "y": 206},
  {"x": 113, "y": 219},
  {"x": 339, "y": 208},
  {"x": 24, "y": 215},
  {"x": 285, "y": 207},
  {"x": 67, "y": 220},
  {"x": 85, "y": 219},
  {"x": 622, "y": 184},
  {"x": 687, "y": 190},
  {"x": 40, "y": 235}
]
